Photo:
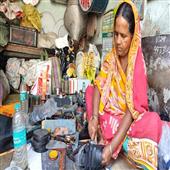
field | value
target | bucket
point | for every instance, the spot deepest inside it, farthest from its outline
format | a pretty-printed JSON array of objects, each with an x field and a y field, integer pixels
[{"x": 95, "y": 6}]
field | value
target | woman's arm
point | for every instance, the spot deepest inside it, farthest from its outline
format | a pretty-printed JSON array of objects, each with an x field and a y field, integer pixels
[
  {"x": 93, "y": 123},
  {"x": 122, "y": 130},
  {"x": 96, "y": 100},
  {"x": 118, "y": 138}
]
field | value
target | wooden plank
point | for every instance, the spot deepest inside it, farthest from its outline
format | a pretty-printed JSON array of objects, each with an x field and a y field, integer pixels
[{"x": 17, "y": 50}]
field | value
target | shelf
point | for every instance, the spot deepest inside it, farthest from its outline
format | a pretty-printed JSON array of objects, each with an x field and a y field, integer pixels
[{"x": 22, "y": 51}]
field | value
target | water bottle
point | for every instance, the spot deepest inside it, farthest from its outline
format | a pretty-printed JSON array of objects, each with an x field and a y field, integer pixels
[
  {"x": 23, "y": 96},
  {"x": 19, "y": 138}
]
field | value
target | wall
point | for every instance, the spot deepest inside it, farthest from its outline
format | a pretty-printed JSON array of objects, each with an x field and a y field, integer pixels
[
  {"x": 157, "y": 56},
  {"x": 52, "y": 17},
  {"x": 157, "y": 18}
]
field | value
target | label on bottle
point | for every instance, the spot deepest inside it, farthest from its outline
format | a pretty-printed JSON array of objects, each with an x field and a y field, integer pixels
[
  {"x": 23, "y": 96},
  {"x": 19, "y": 138}
]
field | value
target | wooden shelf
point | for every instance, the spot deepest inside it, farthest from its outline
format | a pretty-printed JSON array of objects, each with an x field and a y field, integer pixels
[{"x": 22, "y": 51}]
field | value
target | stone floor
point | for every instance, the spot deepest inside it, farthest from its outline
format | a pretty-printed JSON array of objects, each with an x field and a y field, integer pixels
[
  {"x": 119, "y": 164},
  {"x": 5, "y": 160}
]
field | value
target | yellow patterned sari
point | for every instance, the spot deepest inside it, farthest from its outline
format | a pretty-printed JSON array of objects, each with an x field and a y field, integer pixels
[{"x": 119, "y": 91}]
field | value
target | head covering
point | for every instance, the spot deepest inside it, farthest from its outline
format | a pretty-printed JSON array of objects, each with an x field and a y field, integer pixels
[{"x": 135, "y": 83}]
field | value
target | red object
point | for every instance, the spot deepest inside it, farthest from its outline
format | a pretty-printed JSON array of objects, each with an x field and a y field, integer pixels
[
  {"x": 85, "y": 4},
  {"x": 19, "y": 14}
]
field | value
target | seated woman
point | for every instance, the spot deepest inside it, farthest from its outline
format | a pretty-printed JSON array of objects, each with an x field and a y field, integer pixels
[{"x": 120, "y": 106}]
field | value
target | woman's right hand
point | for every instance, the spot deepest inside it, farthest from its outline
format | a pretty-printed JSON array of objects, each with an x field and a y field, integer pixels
[{"x": 93, "y": 127}]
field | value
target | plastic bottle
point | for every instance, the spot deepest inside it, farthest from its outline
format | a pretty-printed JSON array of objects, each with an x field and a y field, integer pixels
[
  {"x": 19, "y": 138},
  {"x": 23, "y": 96}
]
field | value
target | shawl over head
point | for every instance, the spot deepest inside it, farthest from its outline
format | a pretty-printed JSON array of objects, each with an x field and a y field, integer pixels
[{"x": 135, "y": 81}]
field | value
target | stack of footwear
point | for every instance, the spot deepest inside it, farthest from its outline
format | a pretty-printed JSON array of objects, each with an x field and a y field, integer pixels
[{"x": 39, "y": 140}]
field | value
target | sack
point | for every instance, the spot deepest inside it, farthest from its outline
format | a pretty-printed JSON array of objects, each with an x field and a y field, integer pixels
[
  {"x": 4, "y": 86},
  {"x": 47, "y": 40},
  {"x": 4, "y": 33}
]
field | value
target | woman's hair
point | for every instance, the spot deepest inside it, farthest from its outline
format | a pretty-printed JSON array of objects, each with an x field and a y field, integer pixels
[{"x": 125, "y": 10}]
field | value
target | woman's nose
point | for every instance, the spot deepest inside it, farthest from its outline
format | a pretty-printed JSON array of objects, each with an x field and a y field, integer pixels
[{"x": 118, "y": 39}]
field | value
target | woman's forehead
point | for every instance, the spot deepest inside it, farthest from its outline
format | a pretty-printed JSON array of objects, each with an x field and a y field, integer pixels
[{"x": 121, "y": 24}]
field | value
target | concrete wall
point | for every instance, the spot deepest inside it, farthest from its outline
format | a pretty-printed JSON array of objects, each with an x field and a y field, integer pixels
[
  {"x": 52, "y": 17},
  {"x": 157, "y": 18}
]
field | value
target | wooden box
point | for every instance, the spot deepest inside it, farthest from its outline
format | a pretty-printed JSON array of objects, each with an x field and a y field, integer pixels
[{"x": 23, "y": 35}]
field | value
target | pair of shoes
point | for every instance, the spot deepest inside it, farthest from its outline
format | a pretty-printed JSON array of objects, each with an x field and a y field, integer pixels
[
  {"x": 89, "y": 157},
  {"x": 109, "y": 167},
  {"x": 168, "y": 165},
  {"x": 84, "y": 134}
]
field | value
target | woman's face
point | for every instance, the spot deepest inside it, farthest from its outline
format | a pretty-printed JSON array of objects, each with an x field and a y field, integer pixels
[{"x": 122, "y": 37}]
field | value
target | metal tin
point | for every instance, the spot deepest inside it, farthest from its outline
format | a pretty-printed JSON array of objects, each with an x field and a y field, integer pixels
[{"x": 94, "y": 6}]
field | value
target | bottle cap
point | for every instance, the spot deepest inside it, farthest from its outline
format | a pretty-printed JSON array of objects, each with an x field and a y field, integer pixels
[
  {"x": 53, "y": 154},
  {"x": 17, "y": 106}
]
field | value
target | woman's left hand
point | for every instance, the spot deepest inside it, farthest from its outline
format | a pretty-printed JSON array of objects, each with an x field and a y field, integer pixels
[{"x": 107, "y": 154}]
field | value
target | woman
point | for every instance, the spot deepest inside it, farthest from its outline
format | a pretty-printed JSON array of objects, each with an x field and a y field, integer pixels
[{"x": 120, "y": 105}]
